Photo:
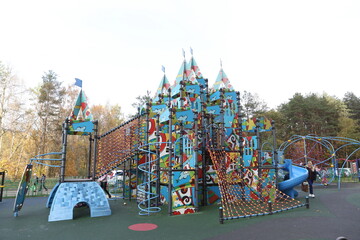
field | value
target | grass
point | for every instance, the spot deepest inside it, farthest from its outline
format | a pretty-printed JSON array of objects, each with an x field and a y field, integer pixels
[{"x": 11, "y": 188}]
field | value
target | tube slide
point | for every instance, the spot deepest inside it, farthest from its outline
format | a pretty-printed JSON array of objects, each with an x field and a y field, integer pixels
[{"x": 297, "y": 175}]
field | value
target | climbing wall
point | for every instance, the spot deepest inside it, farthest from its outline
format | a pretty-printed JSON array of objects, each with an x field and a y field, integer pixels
[{"x": 69, "y": 194}]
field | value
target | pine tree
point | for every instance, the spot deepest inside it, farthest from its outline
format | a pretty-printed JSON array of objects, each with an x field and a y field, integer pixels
[{"x": 49, "y": 110}]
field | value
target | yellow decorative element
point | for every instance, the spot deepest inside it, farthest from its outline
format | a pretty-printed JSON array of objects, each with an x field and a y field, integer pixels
[
  {"x": 251, "y": 124},
  {"x": 267, "y": 124}
]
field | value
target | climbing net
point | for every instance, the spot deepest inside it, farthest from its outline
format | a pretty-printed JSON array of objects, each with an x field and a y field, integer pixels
[
  {"x": 119, "y": 145},
  {"x": 249, "y": 191}
]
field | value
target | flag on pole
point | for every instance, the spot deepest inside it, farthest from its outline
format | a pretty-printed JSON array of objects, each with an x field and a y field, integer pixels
[
  {"x": 78, "y": 82},
  {"x": 163, "y": 68},
  {"x": 191, "y": 51},
  {"x": 183, "y": 52}
]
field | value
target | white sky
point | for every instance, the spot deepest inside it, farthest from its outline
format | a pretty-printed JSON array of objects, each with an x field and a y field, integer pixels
[{"x": 272, "y": 48}]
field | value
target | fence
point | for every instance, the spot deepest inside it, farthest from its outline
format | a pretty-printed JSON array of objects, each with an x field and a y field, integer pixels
[{"x": 11, "y": 188}]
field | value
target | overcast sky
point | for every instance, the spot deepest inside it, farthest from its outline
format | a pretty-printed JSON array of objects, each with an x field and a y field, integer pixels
[{"x": 272, "y": 48}]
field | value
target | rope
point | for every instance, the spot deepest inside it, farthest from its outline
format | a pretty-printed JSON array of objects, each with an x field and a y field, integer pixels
[{"x": 245, "y": 194}]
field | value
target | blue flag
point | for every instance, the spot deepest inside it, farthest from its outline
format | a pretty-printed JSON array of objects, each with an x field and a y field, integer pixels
[{"x": 78, "y": 82}]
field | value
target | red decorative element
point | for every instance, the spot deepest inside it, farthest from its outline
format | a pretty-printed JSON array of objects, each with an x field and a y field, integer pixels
[
  {"x": 163, "y": 139},
  {"x": 143, "y": 227},
  {"x": 142, "y": 159},
  {"x": 200, "y": 173},
  {"x": 254, "y": 196},
  {"x": 212, "y": 197},
  {"x": 152, "y": 126},
  {"x": 189, "y": 210}
]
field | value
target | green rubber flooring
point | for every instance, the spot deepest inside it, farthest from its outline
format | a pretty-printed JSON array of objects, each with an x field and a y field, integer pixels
[{"x": 332, "y": 213}]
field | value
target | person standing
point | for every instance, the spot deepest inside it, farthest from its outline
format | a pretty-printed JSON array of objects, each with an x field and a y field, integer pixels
[
  {"x": 311, "y": 177},
  {"x": 324, "y": 179},
  {"x": 35, "y": 183},
  {"x": 103, "y": 184},
  {"x": 42, "y": 182}
]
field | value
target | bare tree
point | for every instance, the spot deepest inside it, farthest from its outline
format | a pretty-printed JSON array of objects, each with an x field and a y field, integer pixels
[
  {"x": 14, "y": 119},
  {"x": 252, "y": 105}
]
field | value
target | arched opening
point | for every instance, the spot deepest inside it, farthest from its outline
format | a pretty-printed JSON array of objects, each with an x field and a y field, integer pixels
[{"x": 81, "y": 209}]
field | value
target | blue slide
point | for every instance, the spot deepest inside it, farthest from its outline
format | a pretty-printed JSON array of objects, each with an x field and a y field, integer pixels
[{"x": 297, "y": 175}]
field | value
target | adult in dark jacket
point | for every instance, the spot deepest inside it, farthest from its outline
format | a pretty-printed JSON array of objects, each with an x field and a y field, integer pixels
[
  {"x": 103, "y": 184},
  {"x": 311, "y": 177}
]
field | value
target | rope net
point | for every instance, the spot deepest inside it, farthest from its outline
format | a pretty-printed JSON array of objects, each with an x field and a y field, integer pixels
[
  {"x": 248, "y": 191},
  {"x": 119, "y": 145}
]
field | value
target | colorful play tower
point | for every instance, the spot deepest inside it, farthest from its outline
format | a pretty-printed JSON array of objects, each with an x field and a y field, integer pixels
[
  {"x": 190, "y": 147},
  {"x": 187, "y": 148}
]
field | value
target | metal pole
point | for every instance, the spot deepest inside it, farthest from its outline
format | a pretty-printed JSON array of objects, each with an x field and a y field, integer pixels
[
  {"x": 196, "y": 152},
  {"x": 90, "y": 156},
  {"x": 241, "y": 144},
  {"x": 2, "y": 183},
  {"x": 203, "y": 147},
  {"x": 124, "y": 180},
  {"x": 137, "y": 152},
  {"x": 275, "y": 154},
  {"x": 128, "y": 161},
  {"x": 270, "y": 207},
  {"x": 170, "y": 163},
  {"x": 147, "y": 157},
  {"x": 158, "y": 160},
  {"x": 259, "y": 153},
  {"x": 307, "y": 202},
  {"x": 221, "y": 215},
  {"x": 221, "y": 132},
  {"x": 63, "y": 152},
  {"x": 181, "y": 145},
  {"x": 95, "y": 148},
  {"x": 305, "y": 150}
]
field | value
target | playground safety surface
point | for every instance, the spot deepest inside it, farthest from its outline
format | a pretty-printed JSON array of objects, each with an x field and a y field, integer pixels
[{"x": 332, "y": 213}]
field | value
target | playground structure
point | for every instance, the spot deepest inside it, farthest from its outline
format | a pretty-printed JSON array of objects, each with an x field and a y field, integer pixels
[
  {"x": 323, "y": 152},
  {"x": 2, "y": 184},
  {"x": 190, "y": 147},
  {"x": 187, "y": 148},
  {"x": 69, "y": 193}
]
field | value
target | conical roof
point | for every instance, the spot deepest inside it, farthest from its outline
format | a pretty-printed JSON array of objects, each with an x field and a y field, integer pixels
[
  {"x": 162, "y": 89},
  {"x": 81, "y": 110},
  {"x": 182, "y": 74},
  {"x": 222, "y": 81},
  {"x": 192, "y": 65}
]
